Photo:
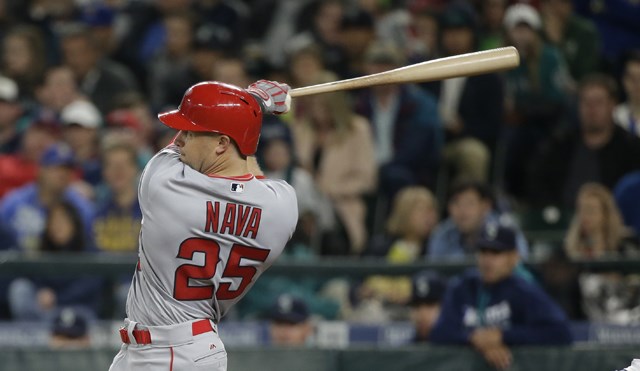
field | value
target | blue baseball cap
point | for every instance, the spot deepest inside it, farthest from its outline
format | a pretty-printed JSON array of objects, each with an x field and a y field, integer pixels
[
  {"x": 426, "y": 288},
  {"x": 57, "y": 155},
  {"x": 497, "y": 237},
  {"x": 289, "y": 309},
  {"x": 69, "y": 323},
  {"x": 98, "y": 16}
]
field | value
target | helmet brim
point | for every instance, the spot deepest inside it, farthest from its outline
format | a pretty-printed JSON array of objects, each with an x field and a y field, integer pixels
[{"x": 176, "y": 120}]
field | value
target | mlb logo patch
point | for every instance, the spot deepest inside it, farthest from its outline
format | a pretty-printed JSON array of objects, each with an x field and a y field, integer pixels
[{"x": 237, "y": 187}]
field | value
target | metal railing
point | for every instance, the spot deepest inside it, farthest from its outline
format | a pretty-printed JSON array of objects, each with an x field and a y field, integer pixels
[{"x": 114, "y": 265}]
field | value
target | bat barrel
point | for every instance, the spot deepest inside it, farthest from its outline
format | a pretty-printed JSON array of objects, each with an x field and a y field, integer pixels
[{"x": 470, "y": 64}]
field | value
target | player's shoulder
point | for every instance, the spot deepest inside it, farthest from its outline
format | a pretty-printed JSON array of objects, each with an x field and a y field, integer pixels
[
  {"x": 169, "y": 152},
  {"x": 276, "y": 186},
  {"x": 166, "y": 158}
]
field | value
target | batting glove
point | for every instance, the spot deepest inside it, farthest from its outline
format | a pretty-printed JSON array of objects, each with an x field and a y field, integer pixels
[{"x": 273, "y": 95}]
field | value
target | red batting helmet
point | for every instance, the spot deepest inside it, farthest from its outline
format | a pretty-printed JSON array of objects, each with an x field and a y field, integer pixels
[{"x": 220, "y": 108}]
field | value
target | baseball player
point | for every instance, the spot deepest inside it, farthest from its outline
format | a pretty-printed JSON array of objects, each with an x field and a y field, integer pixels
[{"x": 211, "y": 225}]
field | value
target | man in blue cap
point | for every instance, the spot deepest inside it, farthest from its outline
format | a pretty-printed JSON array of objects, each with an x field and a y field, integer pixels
[
  {"x": 491, "y": 308},
  {"x": 426, "y": 297},
  {"x": 69, "y": 330},
  {"x": 290, "y": 324}
]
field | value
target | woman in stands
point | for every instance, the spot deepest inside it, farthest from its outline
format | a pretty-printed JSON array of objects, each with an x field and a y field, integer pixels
[{"x": 597, "y": 231}]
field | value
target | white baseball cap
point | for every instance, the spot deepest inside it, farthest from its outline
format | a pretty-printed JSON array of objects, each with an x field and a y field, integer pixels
[
  {"x": 522, "y": 13},
  {"x": 81, "y": 112},
  {"x": 8, "y": 89}
]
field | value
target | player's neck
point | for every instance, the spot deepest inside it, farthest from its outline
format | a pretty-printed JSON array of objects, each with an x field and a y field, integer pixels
[{"x": 228, "y": 167}]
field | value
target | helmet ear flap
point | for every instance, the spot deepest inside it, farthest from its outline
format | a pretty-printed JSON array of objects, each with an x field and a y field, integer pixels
[{"x": 220, "y": 108}]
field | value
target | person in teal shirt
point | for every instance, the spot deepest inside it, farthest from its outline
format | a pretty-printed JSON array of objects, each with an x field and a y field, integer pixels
[{"x": 537, "y": 96}]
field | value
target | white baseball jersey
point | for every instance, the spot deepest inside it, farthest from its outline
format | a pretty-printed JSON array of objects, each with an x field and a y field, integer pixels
[{"x": 204, "y": 240}]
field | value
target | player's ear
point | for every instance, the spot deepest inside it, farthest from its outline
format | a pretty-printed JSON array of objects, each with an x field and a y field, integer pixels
[{"x": 223, "y": 144}]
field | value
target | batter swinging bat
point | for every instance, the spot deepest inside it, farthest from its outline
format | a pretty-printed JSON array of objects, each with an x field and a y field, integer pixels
[{"x": 438, "y": 69}]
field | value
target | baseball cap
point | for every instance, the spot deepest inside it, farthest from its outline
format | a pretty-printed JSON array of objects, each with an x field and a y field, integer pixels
[
  {"x": 123, "y": 118},
  {"x": 81, "y": 112},
  {"x": 8, "y": 90},
  {"x": 522, "y": 14},
  {"x": 69, "y": 323},
  {"x": 97, "y": 15},
  {"x": 426, "y": 288},
  {"x": 289, "y": 309},
  {"x": 496, "y": 237},
  {"x": 57, "y": 155}
]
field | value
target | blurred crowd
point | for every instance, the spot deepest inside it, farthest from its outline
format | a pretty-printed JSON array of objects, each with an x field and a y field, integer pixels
[{"x": 397, "y": 172}]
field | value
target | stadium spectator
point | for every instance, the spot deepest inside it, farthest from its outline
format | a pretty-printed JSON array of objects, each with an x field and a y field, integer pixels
[
  {"x": 626, "y": 194},
  {"x": 617, "y": 26},
  {"x": 471, "y": 108},
  {"x": 405, "y": 123},
  {"x": 597, "y": 228},
  {"x": 39, "y": 298},
  {"x": 324, "y": 32},
  {"x": 597, "y": 231},
  {"x": 82, "y": 121},
  {"x": 173, "y": 55},
  {"x": 336, "y": 146},
  {"x": 598, "y": 151},
  {"x": 356, "y": 34},
  {"x": 627, "y": 114},
  {"x": 21, "y": 168},
  {"x": 57, "y": 90},
  {"x": 536, "y": 95},
  {"x": 413, "y": 217},
  {"x": 290, "y": 323},
  {"x": 306, "y": 66},
  {"x": 491, "y": 19},
  {"x": 471, "y": 207},
  {"x": 559, "y": 278},
  {"x": 391, "y": 21},
  {"x": 422, "y": 42},
  {"x": 231, "y": 71},
  {"x": 271, "y": 22},
  {"x": 117, "y": 221},
  {"x": 10, "y": 112},
  {"x": 23, "y": 211},
  {"x": 131, "y": 122},
  {"x": 427, "y": 290},
  {"x": 208, "y": 48},
  {"x": 98, "y": 77},
  {"x": 576, "y": 37},
  {"x": 493, "y": 309},
  {"x": 23, "y": 58},
  {"x": 225, "y": 18},
  {"x": 69, "y": 330},
  {"x": 100, "y": 18}
]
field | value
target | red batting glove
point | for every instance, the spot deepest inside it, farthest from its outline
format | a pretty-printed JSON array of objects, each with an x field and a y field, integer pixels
[{"x": 274, "y": 95}]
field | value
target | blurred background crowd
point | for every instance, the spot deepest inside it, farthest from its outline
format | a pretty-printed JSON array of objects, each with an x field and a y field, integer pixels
[{"x": 400, "y": 173}]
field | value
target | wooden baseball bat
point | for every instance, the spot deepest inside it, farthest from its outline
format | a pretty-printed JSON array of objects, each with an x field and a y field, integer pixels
[{"x": 470, "y": 64}]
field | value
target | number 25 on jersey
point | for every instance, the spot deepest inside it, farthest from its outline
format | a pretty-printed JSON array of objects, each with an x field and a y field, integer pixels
[{"x": 211, "y": 250}]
